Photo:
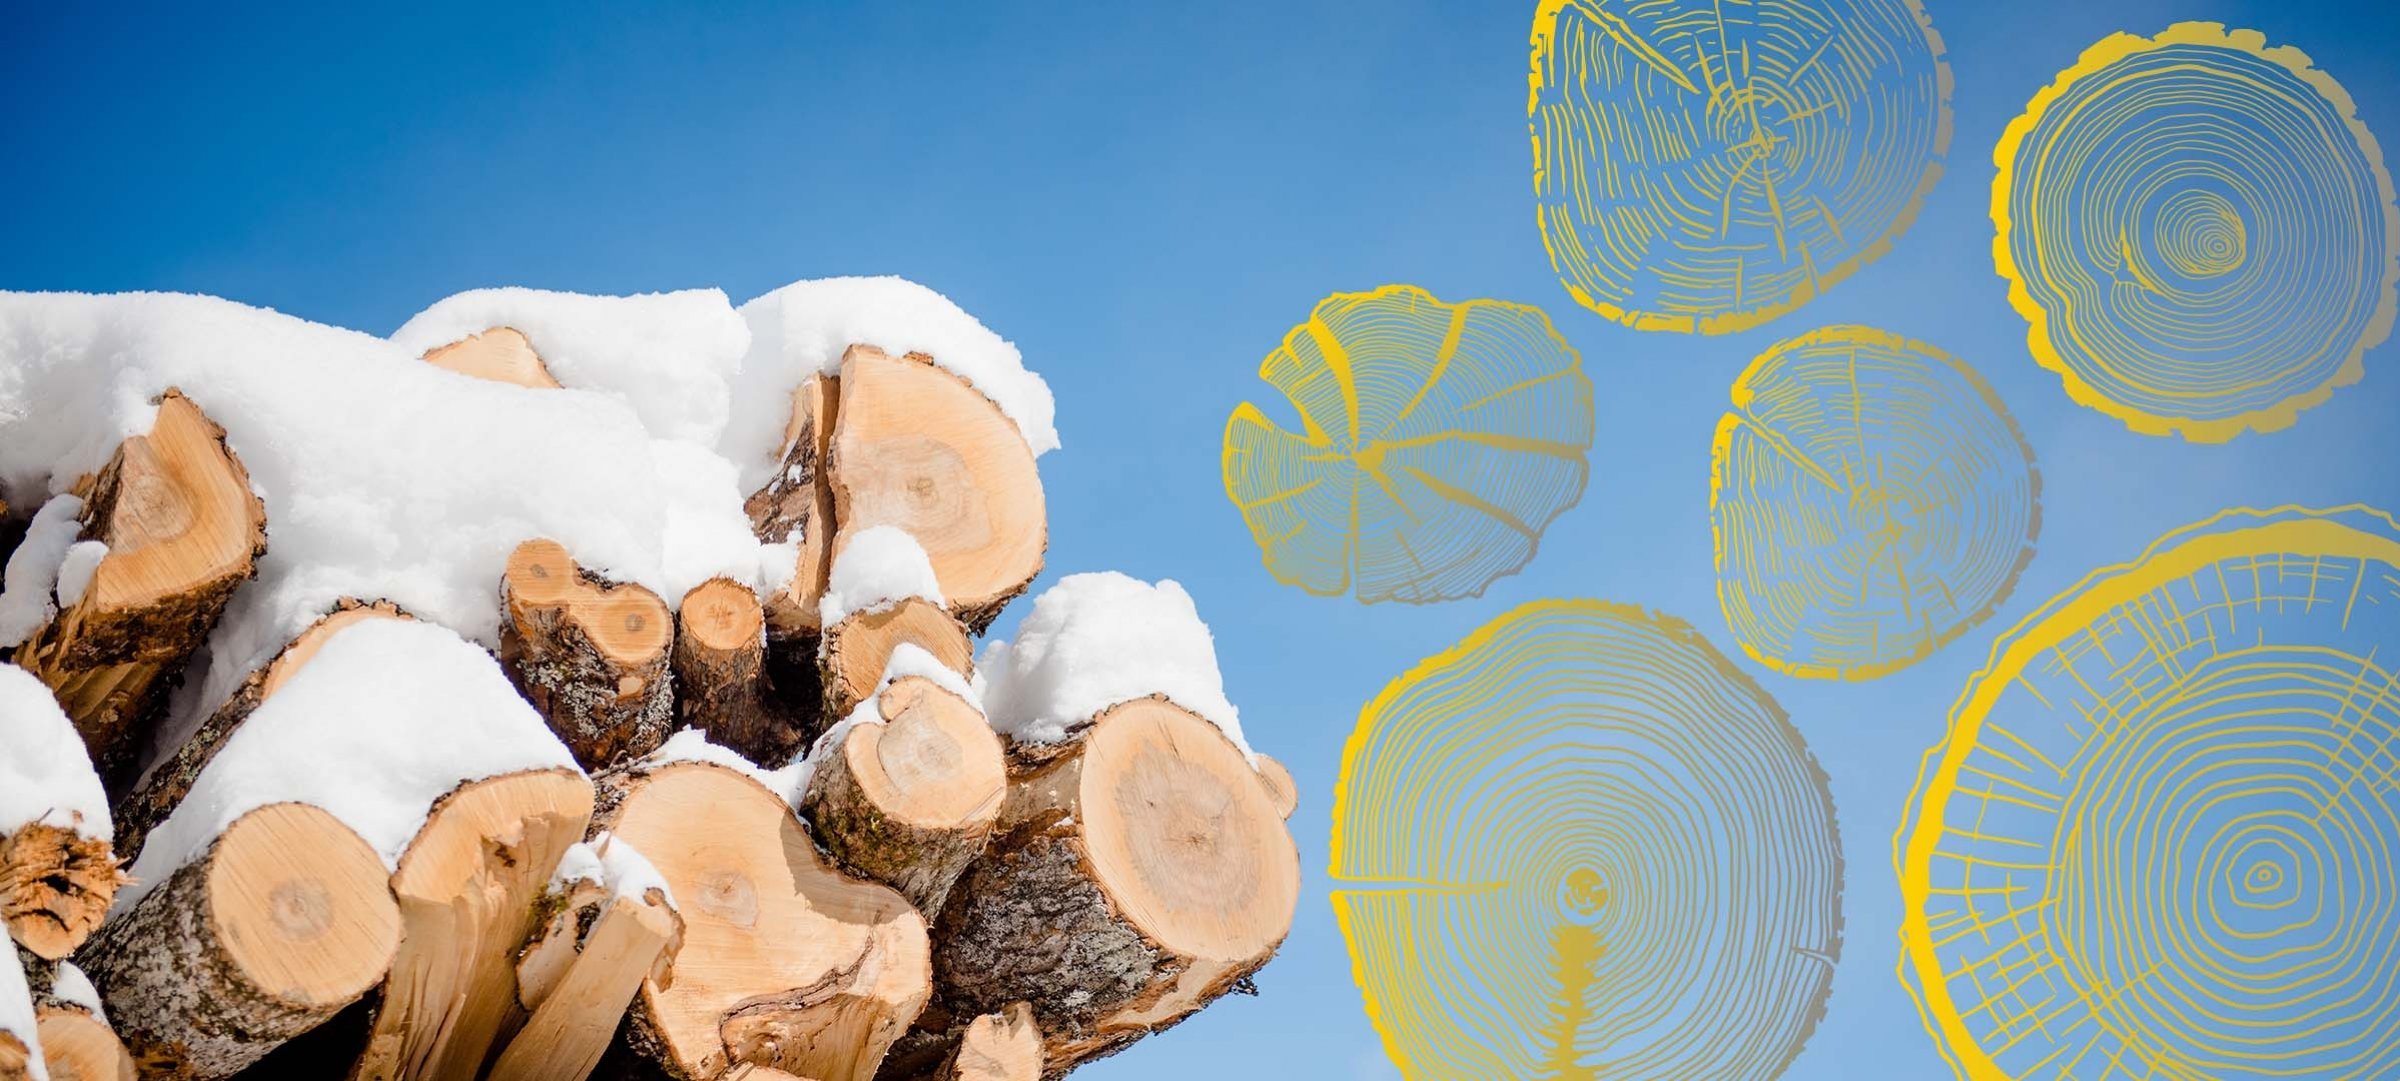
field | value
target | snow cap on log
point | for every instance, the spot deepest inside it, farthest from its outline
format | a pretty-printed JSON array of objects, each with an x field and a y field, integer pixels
[
  {"x": 421, "y": 711},
  {"x": 1095, "y": 640},
  {"x": 667, "y": 356},
  {"x": 879, "y": 567},
  {"x": 29, "y": 585},
  {"x": 803, "y": 329},
  {"x": 384, "y": 476},
  {"x": 46, "y": 777},
  {"x": 20, "y": 1047}
]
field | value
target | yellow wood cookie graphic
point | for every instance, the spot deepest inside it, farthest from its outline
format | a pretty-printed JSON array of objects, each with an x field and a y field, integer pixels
[
  {"x": 1581, "y": 844},
  {"x": 1872, "y": 499},
  {"x": 2159, "y": 840},
  {"x": 1437, "y": 441},
  {"x": 2200, "y": 231},
  {"x": 1707, "y": 166}
]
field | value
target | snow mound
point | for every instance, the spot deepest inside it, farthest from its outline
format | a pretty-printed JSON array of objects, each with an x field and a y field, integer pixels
[
  {"x": 32, "y": 574},
  {"x": 667, "y": 356},
  {"x": 613, "y": 864},
  {"x": 880, "y": 567},
  {"x": 803, "y": 329},
  {"x": 383, "y": 477},
  {"x": 74, "y": 988},
  {"x": 389, "y": 716},
  {"x": 16, "y": 1013},
  {"x": 1095, "y": 640},
  {"x": 45, "y": 775},
  {"x": 75, "y": 570}
]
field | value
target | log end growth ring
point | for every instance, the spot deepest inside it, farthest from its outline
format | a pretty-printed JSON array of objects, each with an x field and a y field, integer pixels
[{"x": 302, "y": 906}]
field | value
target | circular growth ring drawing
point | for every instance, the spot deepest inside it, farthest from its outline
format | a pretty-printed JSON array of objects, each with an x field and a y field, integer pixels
[
  {"x": 1583, "y": 844},
  {"x": 1871, "y": 500},
  {"x": 2159, "y": 840},
  {"x": 1705, "y": 167},
  {"x": 2200, "y": 231}
]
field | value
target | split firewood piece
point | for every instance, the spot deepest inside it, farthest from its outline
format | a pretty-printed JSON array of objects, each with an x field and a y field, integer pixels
[
  {"x": 921, "y": 449},
  {"x": 854, "y": 653},
  {"x": 183, "y": 530},
  {"x": 1139, "y": 873},
  {"x": 785, "y": 963},
  {"x": 161, "y": 790},
  {"x": 722, "y": 685},
  {"x": 1002, "y": 1046},
  {"x": 798, "y": 502},
  {"x": 629, "y": 942},
  {"x": 1279, "y": 785},
  {"x": 467, "y": 887},
  {"x": 908, "y": 799},
  {"x": 500, "y": 354},
  {"x": 73, "y": 1028},
  {"x": 591, "y": 655},
  {"x": 574, "y": 907},
  {"x": 286, "y": 918}
]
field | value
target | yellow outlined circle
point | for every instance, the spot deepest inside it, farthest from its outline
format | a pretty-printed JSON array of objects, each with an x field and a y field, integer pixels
[
  {"x": 2199, "y": 230},
  {"x": 2158, "y": 840},
  {"x": 1705, "y": 168},
  {"x": 1870, "y": 498},
  {"x": 1581, "y": 843}
]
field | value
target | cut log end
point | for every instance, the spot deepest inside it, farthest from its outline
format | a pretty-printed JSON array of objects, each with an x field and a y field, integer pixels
[
  {"x": 592, "y": 656},
  {"x": 855, "y": 652},
  {"x": 287, "y": 918},
  {"x": 785, "y": 963},
  {"x": 908, "y": 801},
  {"x": 55, "y": 888},
  {"x": 81, "y": 1047},
  {"x": 722, "y": 682},
  {"x": 921, "y": 449},
  {"x": 1002, "y": 1046},
  {"x": 1280, "y": 787},
  {"x": 501, "y": 355},
  {"x": 570, "y": 1031}
]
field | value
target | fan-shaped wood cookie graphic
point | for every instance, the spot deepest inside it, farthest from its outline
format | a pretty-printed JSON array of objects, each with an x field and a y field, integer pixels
[
  {"x": 1582, "y": 844},
  {"x": 1872, "y": 499},
  {"x": 1438, "y": 441},
  {"x": 2200, "y": 231},
  {"x": 1707, "y": 166},
  {"x": 2159, "y": 841}
]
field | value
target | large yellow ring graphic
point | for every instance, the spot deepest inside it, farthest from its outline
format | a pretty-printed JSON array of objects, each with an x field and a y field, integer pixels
[
  {"x": 2159, "y": 840},
  {"x": 1437, "y": 442},
  {"x": 1583, "y": 844},
  {"x": 1871, "y": 500},
  {"x": 1705, "y": 167},
  {"x": 2200, "y": 231}
]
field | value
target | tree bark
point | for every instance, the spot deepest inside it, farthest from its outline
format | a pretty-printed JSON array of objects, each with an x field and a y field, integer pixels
[
  {"x": 855, "y": 652},
  {"x": 722, "y": 685},
  {"x": 785, "y": 963},
  {"x": 918, "y": 448},
  {"x": 501, "y": 354},
  {"x": 591, "y": 655},
  {"x": 908, "y": 800},
  {"x": 1134, "y": 875},
  {"x": 183, "y": 529},
  {"x": 467, "y": 887},
  {"x": 161, "y": 790},
  {"x": 284, "y": 920}
]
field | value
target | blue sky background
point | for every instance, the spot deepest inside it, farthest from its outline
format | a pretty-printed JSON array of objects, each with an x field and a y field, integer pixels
[{"x": 1144, "y": 197}]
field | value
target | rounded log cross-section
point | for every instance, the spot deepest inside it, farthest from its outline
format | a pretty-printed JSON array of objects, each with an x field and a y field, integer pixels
[
  {"x": 81, "y": 1047},
  {"x": 287, "y": 918},
  {"x": 908, "y": 799},
  {"x": 592, "y": 656},
  {"x": 854, "y": 652},
  {"x": 1134, "y": 877},
  {"x": 722, "y": 684},
  {"x": 919, "y": 448}
]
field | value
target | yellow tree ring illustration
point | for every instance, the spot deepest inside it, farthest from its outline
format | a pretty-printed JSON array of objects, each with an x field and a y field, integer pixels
[
  {"x": 1705, "y": 167},
  {"x": 2159, "y": 840},
  {"x": 2199, "y": 230},
  {"x": 1583, "y": 844},
  {"x": 1871, "y": 500},
  {"x": 1437, "y": 442}
]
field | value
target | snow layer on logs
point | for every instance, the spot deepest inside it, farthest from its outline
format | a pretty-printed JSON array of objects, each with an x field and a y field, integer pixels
[
  {"x": 880, "y": 567},
  {"x": 16, "y": 1012},
  {"x": 74, "y": 988},
  {"x": 26, "y": 587},
  {"x": 45, "y": 776},
  {"x": 383, "y": 476},
  {"x": 389, "y": 716},
  {"x": 804, "y": 328},
  {"x": 1094, "y": 640},
  {"x": 667, "y": 356},
  {"x": 613, "y": 864}
]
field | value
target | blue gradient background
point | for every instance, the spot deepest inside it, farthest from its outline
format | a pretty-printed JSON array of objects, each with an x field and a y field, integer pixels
[{"x": 1143, "y": 197}]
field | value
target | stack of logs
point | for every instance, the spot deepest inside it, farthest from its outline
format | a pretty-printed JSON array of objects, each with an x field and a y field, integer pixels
[{"x": 942, "y": 905}]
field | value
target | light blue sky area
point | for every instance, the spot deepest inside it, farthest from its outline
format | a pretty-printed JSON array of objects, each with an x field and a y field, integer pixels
[{"x": 1144, "y": 197}]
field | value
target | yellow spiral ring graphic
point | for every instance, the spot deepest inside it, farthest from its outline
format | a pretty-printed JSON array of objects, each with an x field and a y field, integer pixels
[
  {"x": 1872, "y": 499},
  {"x": 2200, "y": 231},
  {"x": 1581, "y": 844},
  {"x": 2159, "y": 840},
  {"x": 1437, "y": 441},
  {"x": 1705, "y": 167}
]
